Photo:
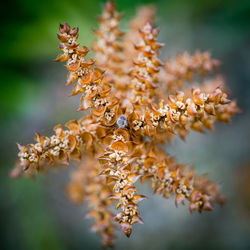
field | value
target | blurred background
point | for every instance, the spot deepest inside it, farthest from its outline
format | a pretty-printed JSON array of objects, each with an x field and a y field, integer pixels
[{"x": 37, "y": 215}]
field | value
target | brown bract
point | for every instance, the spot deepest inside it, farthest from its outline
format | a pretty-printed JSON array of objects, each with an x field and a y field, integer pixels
[
  {"x": 136, "y": 108},
  {"x": 109, "y": 47}
]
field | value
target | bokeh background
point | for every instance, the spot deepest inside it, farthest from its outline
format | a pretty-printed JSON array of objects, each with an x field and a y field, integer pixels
[{"x": 37, "y": 215}]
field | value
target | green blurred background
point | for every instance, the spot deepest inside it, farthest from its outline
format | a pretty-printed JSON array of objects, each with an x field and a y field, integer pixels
[{"x": 37, "y": 215}]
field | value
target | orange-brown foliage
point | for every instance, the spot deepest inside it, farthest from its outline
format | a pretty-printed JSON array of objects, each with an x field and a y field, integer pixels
[{"x": 137, "y": 102}]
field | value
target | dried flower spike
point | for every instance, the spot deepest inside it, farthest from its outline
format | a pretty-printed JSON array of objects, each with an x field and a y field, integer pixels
[{"x": 136, "y": 106}]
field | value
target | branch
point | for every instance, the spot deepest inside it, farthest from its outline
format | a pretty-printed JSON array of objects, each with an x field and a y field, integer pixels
[{"x": 87, "y": 185}]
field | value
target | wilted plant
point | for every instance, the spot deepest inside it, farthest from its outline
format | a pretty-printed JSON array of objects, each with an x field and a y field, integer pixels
[{"x": 137, "y": 103}]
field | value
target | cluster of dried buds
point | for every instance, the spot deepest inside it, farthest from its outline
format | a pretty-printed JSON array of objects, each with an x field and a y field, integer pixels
[
  {"x": 184, "y": 67},
  {"x": 87, "y": 184},
  {"x": 137, "y": 104}
]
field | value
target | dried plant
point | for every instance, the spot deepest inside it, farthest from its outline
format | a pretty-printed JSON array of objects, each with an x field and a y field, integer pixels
[{"x": 137, "y": 103}]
